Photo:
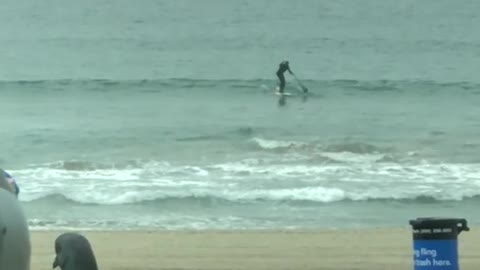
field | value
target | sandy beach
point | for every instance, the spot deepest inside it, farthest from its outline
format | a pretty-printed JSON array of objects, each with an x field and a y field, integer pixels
[{"x": 329, "y": 249}]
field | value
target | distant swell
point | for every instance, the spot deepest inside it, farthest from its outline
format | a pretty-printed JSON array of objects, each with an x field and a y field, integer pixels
[
  {"x": 240, "y": 132},
  {"x": 254, "y": 198},
  {"x": 348, "y": 152},
  {"x": 85, "y": 165},
  {"x": 159, "y": 85},
  {"x": 356, "y": 147},
  {"x": 310, "y": 152},
  {"x": 352, "y": 147}
]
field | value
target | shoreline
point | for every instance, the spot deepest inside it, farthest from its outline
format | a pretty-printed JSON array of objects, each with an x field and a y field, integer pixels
[{"x": 369, "y": 249}]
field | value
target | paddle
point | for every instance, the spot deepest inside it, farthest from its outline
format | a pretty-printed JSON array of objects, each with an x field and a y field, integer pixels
[{"x": 304, "y": 88}]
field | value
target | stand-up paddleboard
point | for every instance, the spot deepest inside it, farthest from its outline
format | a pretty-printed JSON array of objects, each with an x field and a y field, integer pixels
[
  {"x": 277, "y": 92},
  {"x": 283, "y": 94}
]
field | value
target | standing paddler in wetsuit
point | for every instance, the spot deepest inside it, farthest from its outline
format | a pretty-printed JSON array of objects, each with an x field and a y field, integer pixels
[{"x": 281, "y": 70}]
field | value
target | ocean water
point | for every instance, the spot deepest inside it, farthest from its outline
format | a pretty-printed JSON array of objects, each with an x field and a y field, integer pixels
[{"x": 117, "y": 114}]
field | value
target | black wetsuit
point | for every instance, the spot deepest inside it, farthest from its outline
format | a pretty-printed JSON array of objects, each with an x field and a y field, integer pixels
[{"x": 281, "y": 69}]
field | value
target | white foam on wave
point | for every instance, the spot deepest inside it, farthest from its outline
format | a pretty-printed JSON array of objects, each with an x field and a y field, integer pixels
[
  {"x": 305, "y": 151},
  {"x": 353, "y": 157},
  {"x": 275, "y": 144},
  {"x": 251, "y": 180},
  {"x": 108, "y": 186},
  {"x": 274, "y": 170},
  {"x": 160, "y": 222},
  {"x": 101, "y": 196},
  {"x": 316, "y": 193}
]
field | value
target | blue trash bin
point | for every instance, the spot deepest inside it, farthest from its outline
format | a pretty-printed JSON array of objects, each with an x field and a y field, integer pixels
[{"x": 435, "y": 243}]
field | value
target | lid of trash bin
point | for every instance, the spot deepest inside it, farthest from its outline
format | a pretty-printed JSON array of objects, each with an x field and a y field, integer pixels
[{"x": 429, "y": 222}]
